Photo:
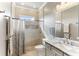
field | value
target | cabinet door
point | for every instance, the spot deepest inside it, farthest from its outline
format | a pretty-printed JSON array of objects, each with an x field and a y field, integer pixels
[
  {"x": 47, "y": 49},
  {"x": 52, "y": 51},
  {"x": 58, "y": 53}
]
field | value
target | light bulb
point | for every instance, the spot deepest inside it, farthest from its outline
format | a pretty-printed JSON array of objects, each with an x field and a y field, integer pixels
[{"x": 22, "y": 3}]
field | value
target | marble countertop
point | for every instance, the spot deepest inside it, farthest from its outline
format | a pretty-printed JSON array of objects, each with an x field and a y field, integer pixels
[{"x": 70, "y": 50}]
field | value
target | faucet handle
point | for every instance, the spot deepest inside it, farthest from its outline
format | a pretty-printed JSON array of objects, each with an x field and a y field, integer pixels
[{"x": 70, "y": 38}]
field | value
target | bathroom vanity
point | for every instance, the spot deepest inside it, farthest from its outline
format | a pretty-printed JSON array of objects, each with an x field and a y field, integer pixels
[
  {"x": 61, "y": 48},
  {"x": 54, "y": 51}
]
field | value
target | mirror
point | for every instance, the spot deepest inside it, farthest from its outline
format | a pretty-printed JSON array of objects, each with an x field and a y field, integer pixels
[
  {"x": 69, "y": 19},
  {"x": 63, "y": 24},
  {"x": 49, "y": 19}
]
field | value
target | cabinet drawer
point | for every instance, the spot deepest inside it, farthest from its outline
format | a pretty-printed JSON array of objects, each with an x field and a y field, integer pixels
[
  {"x": 47, "y": 46},
  {"x": 56, "y": 51},
  {"x": 58, "y": 54}
]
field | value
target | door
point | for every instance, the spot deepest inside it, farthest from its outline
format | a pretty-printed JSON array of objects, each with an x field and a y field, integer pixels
[
  {"x": 2, "y": 35},
  {"x": 18, "y": 42},
  {"x": 7, "y": 19}
]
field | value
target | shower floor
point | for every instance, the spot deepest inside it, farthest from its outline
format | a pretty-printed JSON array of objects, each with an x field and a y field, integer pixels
[{"x": 32, "y": 51}]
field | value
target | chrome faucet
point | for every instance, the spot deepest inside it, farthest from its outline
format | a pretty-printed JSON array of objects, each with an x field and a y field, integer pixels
[{"x": 68, "y": 41}]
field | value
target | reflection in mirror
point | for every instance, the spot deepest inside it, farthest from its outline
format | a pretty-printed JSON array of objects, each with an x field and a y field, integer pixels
[
  {"x": 69, "y": 18},
  {"x": 49, "y": 20},
  {"x": 59, "y": 30}
]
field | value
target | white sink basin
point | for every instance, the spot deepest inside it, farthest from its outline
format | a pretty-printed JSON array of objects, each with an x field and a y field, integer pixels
[
  {"x": 68, "y": 47},
  {"x": 77, "y": 50},
  {"x": 75, "y": 43},
  {"x": 71, "y": 44}
]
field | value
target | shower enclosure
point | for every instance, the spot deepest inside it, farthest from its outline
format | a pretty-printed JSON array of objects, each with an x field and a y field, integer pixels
[{"x": 18, "y": 41}]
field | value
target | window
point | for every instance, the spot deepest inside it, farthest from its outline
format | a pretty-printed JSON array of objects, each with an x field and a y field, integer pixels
[{"x": 27, "y": 18}]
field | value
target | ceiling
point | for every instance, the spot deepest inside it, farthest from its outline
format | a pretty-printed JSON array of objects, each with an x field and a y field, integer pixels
[{"x": 32, "y": 5}]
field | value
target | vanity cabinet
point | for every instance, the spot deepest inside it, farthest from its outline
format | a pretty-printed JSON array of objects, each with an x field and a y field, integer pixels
[
  {"x": 50, "y": 50},
  {"x": 47, "y": 50},
  {"x": 56, "y": 52}
]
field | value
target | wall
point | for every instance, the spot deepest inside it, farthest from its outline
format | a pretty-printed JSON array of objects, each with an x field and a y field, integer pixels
[
  {"x": 6, "y": 6},
  {"x": 21, "y": 11}
]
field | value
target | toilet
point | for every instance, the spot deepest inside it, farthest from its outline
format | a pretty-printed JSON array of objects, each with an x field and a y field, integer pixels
[{"x": 40, "y": 49}]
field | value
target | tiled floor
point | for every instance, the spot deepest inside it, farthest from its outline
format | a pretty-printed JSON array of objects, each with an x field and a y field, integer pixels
[{"x": 32, "y": 51}]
